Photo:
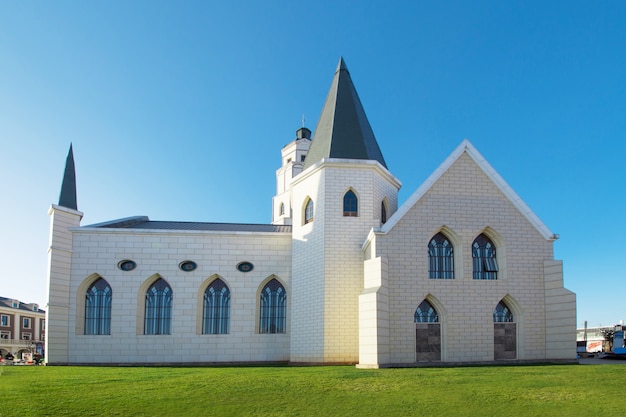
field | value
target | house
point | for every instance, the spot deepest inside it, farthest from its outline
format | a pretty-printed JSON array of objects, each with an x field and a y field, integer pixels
[
  {"x": 22, "y": 328},
  {"x": 463, "y": 271}
]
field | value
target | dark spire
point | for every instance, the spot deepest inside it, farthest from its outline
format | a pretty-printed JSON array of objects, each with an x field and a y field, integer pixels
[
  {"x": 343, "y": 130},
  {"x": 68, "y": 188}
]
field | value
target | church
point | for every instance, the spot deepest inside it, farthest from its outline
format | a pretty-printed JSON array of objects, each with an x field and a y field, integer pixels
[{"x": 461, "y": 272}]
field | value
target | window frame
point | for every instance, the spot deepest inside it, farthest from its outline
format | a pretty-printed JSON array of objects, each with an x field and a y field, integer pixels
[
  {"x": 5, "y": 320},
  {"x": 158, "y": 316},
  {"x": 98, "y": 301},
  {"x": 430, "y": 314},
  {"x": 216, "y": 317},
  {"x": 350, "y": 204},
  {"x": 309, "y": 211},
  {"x": 440, "y": 257},
  {"x": 502, "y": 313},
  {"x": 273, "y": 316},
  {"x": 484, "y": 259}
]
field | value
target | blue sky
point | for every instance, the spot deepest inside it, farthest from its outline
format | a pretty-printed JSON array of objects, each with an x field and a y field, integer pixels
[{"x": 178, "y": 111}]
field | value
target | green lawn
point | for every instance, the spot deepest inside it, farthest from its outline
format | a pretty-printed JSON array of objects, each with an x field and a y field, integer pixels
[{"x": 566, "y": 390}]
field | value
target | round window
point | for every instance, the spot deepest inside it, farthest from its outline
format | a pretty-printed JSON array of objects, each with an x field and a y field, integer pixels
[
  {"x": 187, "y": 266},
  {"x": 245, "y": 266},
  {"x": 127, "y": 265}
]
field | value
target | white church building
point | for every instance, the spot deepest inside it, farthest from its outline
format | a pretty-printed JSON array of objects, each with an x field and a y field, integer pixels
[{"x": 463, "y": 271}]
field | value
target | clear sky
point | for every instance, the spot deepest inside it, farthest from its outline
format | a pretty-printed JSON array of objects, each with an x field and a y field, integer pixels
[{"x": 178, "y": 111}]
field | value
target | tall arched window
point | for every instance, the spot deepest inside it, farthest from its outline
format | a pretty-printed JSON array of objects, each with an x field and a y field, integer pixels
[
  {"x": 350, "y": 204},
  {"x": 427, "y": 333},
  {"x": 273, "y": 308},
  {"x": 308, "y": 211},
  {"x": 504, "y": 333},
  {"x": 98, "y": 308},
  {"x": 383, "y": 212},
  {"x": 216, "y": 309},
  {"x": 282, "y": 209},
  {"x": 426, "y": 313},
  {"x": 158, "y": 317},
  {"x": 485, "y": 265},
  {"x": 440, "y": 258},
  {"x": 502, "y": 314}
]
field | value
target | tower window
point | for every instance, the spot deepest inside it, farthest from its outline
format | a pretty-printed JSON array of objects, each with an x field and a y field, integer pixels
[
  {"x": 308, "y": 212},
  {"x": 350, "y": 204}
]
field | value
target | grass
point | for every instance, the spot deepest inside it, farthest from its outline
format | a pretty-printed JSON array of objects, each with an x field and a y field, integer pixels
[{"x": 566, "y": 390}]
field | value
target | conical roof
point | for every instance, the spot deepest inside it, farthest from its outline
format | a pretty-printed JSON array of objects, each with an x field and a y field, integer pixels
[
  {"x": 343, "y": 130},
  {"x": 67, "y": 198}
]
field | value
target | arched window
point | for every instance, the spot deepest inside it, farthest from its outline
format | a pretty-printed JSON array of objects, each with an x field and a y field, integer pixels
[
  {"x": 485, "y": 265},
  {"x": 216, "y": 309},
  {"x": 426, "y": 313},
  {"x": 440, "y": 258},
  {"x": 383, "y": 212},
  {"x": 158, "y": 317},
  {"x": 273, "y": 308},
  {"x": 502, "y": 314},
  {"x": 350, "y": 204},
  {"x": 308, "y": 211},
  {"x": 282, "y": 209},
  {"x": 98, "y": 308}
]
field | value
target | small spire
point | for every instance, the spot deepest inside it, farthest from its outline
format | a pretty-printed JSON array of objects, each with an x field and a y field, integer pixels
[
  {"x": 302, "y": 119},
  {"x": 67, "y": 198},
  {"x": 342, "y": 65}
]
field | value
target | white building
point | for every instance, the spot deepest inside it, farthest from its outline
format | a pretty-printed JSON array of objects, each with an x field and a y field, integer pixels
[{"x": 461, "y": 272}]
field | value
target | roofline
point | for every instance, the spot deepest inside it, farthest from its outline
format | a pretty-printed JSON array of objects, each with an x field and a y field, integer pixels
[
  {"x": 466, "y": 147},
  {"x": 113, "y": 230},
  {"x": 347, "y": 163}
]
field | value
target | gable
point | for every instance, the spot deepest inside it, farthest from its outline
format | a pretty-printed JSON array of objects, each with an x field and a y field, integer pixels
[{"x": 460, "y": 172}]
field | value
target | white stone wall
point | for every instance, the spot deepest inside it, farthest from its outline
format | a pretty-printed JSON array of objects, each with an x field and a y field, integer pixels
[
  {"x": 327, "y": 258},
  {"x": 159, "y": 253},
  {"x": 59, "y": 265},
  {"x": 465, "y": 203}
]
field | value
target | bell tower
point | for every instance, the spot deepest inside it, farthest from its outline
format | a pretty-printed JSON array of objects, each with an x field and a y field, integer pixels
[
  {"x": 336, "y": 200},
  {"x": 63, "y": 217},
  {"x": 293, "y": 156}
]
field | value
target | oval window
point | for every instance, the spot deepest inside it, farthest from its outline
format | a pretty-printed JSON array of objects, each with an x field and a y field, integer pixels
[
  {"x": 245, "y": 266},
  {"x": 187, "y": 266},
  {"x": 127, "y": 265}
]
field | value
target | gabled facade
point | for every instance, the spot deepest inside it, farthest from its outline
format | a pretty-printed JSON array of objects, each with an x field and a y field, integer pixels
[{"x": 461, "y": 272}]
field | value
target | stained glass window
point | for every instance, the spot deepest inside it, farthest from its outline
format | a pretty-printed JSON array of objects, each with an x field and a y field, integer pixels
[
  {"x": 502, "y": 314},
  {"x": 273, "y": 314},
  {"x": 440, "y": 258},
  {"x": 158, "y": 317},
  {"x": 350, "y": 204},
  {"x": 426, "y": 313},
  {"x": 485, "y": 264},
  {"x": 216, "y": 310},
  {"x": 308, "y": 212},
  {"x": 98, "y": 308}
]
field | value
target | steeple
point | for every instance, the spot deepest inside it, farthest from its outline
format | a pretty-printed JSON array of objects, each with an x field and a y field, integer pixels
[
  {"x": 343, "y": 130},
  {"x": 67, "y": 198}
]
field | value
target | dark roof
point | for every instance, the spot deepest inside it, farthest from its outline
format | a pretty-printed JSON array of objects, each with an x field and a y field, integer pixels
[
  {"x": 67, "y": 198},
  {"x": 343, "y": 130},
  {"x": 144, "y": 223},
  {"x": 8, "y": 302}
]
